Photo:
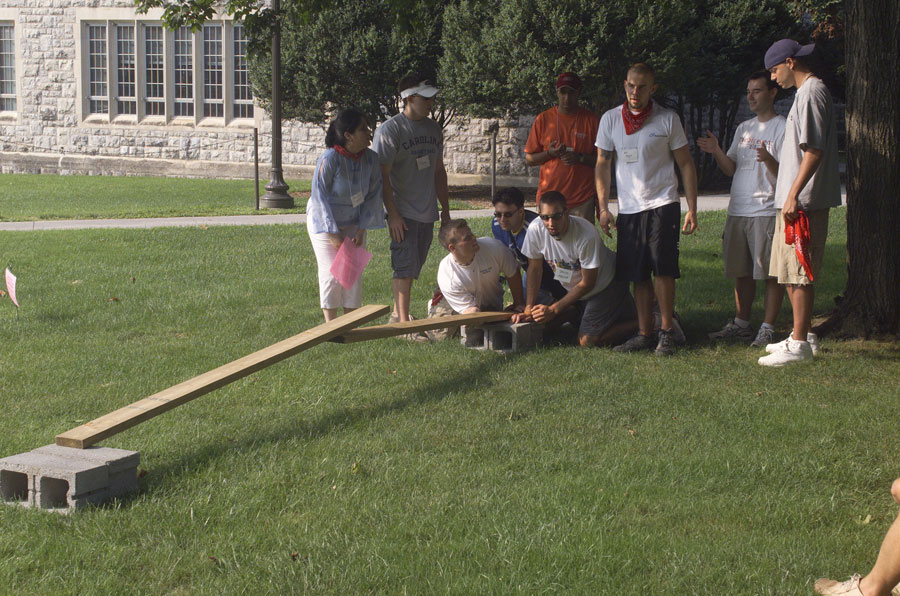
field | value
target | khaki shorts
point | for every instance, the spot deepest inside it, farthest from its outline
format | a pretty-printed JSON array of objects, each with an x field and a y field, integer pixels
[
  {"x": 747, "y": 246},
  {"x": 585, "y": 210},
  {"x": 784, "y": 264}
]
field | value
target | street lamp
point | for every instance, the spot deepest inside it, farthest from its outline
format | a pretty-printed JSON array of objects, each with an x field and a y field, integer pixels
[{"x": 276, "y": 196}]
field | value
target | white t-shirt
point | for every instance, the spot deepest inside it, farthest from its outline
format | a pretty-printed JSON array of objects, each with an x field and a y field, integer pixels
[
  {"x": 810, "y": 124},
  {"x": 579, "y": 248},
  {"x": 753, "y": 187},
  {"x": 645, "y": 167},
  {"x": 478, "y": 283}
]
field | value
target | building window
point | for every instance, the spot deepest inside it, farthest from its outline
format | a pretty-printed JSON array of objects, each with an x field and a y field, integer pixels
[
  {"x": 184, "y": 72},
  {"x": 243, "y": 99},
  {"x": 125, "y": 81},
  {"x": 154, "y": 67},
  {"x": 7, "y": 69},
  {"x": 97, "y": 94},
  {"x": 213, "y": 105},
  {"x": 140, "y": 69}
]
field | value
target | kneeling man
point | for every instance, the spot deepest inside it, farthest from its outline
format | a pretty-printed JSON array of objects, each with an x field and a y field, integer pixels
[
  {"x": 469, "y": 277},
  {"x": 603, "y": 307}
]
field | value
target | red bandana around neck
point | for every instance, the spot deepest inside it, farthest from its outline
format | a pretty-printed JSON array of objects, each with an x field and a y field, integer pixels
[
  {"x": 634, "y": 122},
  {"x": 343, "y": 151}
]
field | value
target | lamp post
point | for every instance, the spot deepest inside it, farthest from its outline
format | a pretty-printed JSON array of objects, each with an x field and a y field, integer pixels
[{"x": 276, "y": 196}]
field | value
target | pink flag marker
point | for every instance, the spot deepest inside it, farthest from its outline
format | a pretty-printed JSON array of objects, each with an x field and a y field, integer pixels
[
  {"x": 349, "y": 263},
  {"x": 11, "y": 286}
]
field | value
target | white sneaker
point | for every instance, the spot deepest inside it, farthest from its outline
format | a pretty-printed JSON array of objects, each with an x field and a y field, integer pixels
[
  {"x": 764, "y": 337},
  {"x": 830, "y": 587},
  {"x": 792, "y": 351},
  {"x": 811, "y": 338}
]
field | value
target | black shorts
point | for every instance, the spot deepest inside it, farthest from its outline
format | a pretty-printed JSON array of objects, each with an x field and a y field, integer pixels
[{"x": 647, "y": 242}]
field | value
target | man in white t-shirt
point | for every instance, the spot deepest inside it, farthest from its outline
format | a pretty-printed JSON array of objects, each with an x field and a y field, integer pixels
[
  {"x": 647, "y": 141},
  {"x": 602, "y": 307},
  {"x": 750, "y": 223},
  {"x": 469, "y": 277}
]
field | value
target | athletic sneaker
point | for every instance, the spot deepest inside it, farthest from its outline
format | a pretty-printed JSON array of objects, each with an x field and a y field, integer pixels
[
  {"x": 732, "y": 332},
  {"x": 811, "y": 338},
  {"x": 764, "y": 337},
  {"x": 666, "y": 345},
  {"x": 636, "y": 343},
  {"x": 791, "y": 352},
  {"x": 680, "y": 338},
  {"x": 830, "y": 587}
]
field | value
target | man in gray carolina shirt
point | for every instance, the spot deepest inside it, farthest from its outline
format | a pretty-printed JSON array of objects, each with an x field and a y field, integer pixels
[
  {"x": 410, "y": 147},
  {"x": 808, "y": 184}
]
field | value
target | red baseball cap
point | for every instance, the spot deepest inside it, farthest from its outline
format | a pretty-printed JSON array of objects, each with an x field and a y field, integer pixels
[{"x": 569, "y": 79}]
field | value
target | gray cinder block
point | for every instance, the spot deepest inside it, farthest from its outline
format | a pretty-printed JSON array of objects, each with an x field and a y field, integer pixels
[
  {"x": 63, "y": 478},
  {"x": 512, "y": 337}
]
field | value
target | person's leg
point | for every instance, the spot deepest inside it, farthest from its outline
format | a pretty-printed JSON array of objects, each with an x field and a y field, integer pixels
[
  {"x": 329, "y": 313},
  {"x": 643, "y": 300},
  {"x": 402, "y": 287},
  {"x": 330, "y": 291},
  {"x": 744, "y": 293},
  {"x": 802, "y": 298},
  {"x": 772, "y": 302},
  {"x": 886, "y": 572},
  {"x": 664, "y": 289}
]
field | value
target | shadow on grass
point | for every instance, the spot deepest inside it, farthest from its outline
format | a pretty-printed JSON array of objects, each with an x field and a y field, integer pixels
[{"x": 291, "y": 428}]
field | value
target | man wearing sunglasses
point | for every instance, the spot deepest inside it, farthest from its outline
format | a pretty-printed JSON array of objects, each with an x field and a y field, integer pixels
[
  {"x": 602, "y": 307},
  {"x": 510, "y": 225}
]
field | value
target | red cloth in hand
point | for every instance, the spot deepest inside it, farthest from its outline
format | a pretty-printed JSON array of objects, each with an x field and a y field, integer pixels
[{"x": 796, "y": 233}]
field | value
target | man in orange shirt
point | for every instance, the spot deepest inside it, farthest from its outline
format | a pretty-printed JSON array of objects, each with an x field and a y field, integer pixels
[{"x": 561, "y": 143}]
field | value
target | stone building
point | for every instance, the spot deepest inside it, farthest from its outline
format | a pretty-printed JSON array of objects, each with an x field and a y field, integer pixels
[{"x": 91, "y": 87}]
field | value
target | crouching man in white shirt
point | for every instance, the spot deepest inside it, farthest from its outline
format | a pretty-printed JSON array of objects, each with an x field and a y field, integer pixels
[
  {"x": 469, "y": 277},
  {"x": 602, "y": 307}
]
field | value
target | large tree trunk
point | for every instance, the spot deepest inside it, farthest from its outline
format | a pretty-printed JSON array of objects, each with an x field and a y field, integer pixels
[{"x": 871, "y": 302}]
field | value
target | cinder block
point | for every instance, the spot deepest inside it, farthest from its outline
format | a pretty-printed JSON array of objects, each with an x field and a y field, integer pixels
[
  {"x": 63, "y": 478},
  {"x": 472, "y": 337},
  {"x": 512, "y": 337}
]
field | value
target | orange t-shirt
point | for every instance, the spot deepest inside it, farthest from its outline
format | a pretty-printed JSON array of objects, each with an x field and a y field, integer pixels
[{"x": 576, "y": 131}]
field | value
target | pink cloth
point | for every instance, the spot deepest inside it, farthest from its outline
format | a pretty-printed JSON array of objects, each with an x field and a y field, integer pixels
[
  {"x": 11, "y": 286},
  {"x": 349, "y": 263}
]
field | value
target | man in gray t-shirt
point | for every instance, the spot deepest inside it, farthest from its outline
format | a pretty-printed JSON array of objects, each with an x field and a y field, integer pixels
[
  {"x": 410, "y": 147},
  {"x": 808, "y": 185}
]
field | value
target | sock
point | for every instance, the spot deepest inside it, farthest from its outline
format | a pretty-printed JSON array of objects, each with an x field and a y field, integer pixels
[
  {"x": 767, "y": 326},
  {"x": 741, "y": 323}
]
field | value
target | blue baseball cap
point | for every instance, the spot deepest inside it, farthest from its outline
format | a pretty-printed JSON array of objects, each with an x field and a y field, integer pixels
[{"x": 783, "y": 49}]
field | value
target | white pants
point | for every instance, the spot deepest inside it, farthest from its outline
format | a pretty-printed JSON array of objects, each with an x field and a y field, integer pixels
[{"x": 331, "y": 293}]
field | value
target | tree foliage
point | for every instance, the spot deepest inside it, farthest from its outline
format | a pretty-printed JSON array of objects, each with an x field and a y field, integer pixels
[
  {"x": 501, "y": 57},
  {"x": 350, "y": 55}
]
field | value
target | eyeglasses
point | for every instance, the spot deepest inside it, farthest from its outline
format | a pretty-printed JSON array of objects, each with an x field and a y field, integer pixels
[
  {"x": 553, "y": 216},
  {"x": 501, "y": 214}
]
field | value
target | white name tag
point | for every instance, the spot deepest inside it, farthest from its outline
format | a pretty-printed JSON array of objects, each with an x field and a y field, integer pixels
[
  {"x": 563, "y": 275},
  {"x": 570, "y": 149},
  {"x": 357, "y": 198},
  {"x": 630, "y": 155},
  {"x": 422, "y": 162}
]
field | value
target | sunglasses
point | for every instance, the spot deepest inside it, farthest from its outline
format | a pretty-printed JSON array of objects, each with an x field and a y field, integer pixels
[
  {"x": 501, "y": 215},
  {"x": 553, "y": 216}
]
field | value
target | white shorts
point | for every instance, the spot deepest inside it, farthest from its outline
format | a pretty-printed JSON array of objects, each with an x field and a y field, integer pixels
[{"x": 331, "y": 293}]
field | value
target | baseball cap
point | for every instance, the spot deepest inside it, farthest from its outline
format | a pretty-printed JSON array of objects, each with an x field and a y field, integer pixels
[
  {"x": 424, "y": 88},
  {"x": 783, "y": 49},
  {"x": 568, "y": 79}
]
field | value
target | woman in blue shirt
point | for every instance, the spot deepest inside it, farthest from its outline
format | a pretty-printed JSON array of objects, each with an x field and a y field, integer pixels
[{"x": 345, "y": 202}]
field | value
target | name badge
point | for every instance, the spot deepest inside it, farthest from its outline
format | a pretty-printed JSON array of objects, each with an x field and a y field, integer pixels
[
  {"x": 630, "y": 155},
  {"x": 422, "y": 162},
  {"x": 570, "y": 149},
  {"x": 563, "y": 275},
  {"x": 357, "y": 198}
]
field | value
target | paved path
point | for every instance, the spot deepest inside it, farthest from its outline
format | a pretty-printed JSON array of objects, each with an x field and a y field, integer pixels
[{"x": 705, "y": 203}]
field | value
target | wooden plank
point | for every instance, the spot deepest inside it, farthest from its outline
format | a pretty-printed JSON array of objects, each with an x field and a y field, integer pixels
[
  {"x": 123, "y": 418},
  {"x": 394, "y": 329}
]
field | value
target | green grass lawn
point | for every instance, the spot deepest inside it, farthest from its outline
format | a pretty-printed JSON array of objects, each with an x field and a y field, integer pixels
[
  {"x": 28, "y": 197},
  {"x": 394, "y": 468}
]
